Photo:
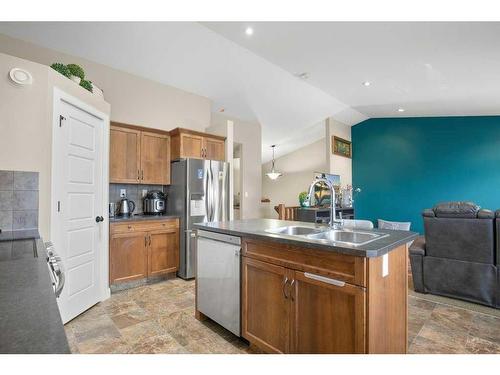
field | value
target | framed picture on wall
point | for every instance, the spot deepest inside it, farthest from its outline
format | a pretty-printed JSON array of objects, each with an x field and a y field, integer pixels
[{"x": 341, "y": 147}]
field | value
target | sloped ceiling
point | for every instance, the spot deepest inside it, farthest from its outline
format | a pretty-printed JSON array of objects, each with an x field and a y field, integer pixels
[
  {"x": 195, "y": 58},
  {"x": 428, "y": 69}
]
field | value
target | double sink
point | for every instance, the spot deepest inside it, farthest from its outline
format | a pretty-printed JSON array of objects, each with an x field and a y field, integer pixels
[{"x": 351, "y": 237}]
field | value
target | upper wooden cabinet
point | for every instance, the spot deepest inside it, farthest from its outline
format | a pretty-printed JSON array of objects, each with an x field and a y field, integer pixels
[
  {"x": 155, "y": 158},
  {"x": 138, "y": 155},
  {"x": 125, "y": 155},
  {"x": 191, "y": 144},
  {"x": 214, "y": 148}
]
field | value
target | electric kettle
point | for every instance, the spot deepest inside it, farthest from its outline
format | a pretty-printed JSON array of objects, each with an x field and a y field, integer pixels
[{"x": 126, "y": 207}]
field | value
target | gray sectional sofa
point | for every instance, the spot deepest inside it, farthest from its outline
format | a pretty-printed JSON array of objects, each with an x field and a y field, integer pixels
[{"x": 459, "y": 254}]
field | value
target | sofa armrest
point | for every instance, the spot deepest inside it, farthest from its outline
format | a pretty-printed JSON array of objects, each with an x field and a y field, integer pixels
[
  {"x": 418, "y": 246},
  {"x": 485, "y": 214}
]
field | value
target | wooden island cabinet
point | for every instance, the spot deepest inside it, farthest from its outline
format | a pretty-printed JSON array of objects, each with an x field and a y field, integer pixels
[
  {"x": 303, "y": 300},
  {"x": 140, "y": 250}
]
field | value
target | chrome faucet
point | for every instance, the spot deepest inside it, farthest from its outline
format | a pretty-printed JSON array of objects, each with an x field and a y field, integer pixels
[{"x": 334, "y": 223}]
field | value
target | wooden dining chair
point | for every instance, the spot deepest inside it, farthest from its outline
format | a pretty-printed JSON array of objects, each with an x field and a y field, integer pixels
[{"x": 286, "y": 213}]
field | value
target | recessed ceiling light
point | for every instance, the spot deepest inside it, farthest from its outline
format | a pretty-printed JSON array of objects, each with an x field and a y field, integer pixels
[
  {"x": 249, "y": 31},
  {"x": 401, "y": 109},
  {"x": 366, "y": 83}
]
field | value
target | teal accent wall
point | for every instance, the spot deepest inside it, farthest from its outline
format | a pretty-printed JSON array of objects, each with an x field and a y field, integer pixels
[{"x": 404, "y": 165}]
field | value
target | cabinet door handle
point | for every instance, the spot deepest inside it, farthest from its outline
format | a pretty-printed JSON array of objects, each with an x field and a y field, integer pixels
[
  {"x": 138, "y": 175},
  {"x": 145, "y": 241},
  {"x": 324, "y": 279},
  {"x": 284, "y": 287},
  {"x": 291, "y": 290},
  {"x": 149, "y": 240},
  {"x": 142, "y": 174}
]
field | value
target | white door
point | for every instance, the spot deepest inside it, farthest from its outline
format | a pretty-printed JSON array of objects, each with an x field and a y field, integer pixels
[{"x": 77, "y": 231}]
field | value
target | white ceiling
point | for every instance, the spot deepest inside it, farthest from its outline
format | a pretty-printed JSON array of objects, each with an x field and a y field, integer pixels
[
  {"x": 429, "y": 69},
  {"x": 192, "y": 57}
]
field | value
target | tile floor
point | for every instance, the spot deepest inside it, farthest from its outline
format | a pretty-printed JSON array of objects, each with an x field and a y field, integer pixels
[{"x": 159, "y": 318}]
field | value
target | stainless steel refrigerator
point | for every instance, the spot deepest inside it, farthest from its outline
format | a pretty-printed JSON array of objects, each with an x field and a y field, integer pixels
[{"x": 198, "y": 193}]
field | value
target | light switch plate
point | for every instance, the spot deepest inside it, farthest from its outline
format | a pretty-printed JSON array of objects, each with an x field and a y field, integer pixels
[
  {"x": 123, "y": 193},
  {"x": 385, "y": 265}
]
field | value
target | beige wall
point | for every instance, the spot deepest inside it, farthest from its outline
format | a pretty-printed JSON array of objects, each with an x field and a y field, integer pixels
[
  {"x": 298, "y": 169},
  {"x": 133, "y": 99},
  {"x": 338, "y": 164},
  {"x": 248, "y": 134},
  {"x": 25, "y": 124}
]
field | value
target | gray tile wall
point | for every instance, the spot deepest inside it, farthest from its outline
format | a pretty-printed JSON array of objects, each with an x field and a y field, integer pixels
[
  {"x": 134, "y": 193},
  {"x": 18, "y": 200}
]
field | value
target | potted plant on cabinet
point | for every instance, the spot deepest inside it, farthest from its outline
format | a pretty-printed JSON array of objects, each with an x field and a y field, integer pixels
[{"x": 77, "y": 73}]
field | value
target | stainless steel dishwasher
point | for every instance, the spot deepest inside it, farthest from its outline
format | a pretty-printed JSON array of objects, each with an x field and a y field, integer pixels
[{"x": 218, "y": 278}]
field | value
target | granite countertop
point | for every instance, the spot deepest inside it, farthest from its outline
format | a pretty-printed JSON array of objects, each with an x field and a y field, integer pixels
[
  {"x": 140, "y": 217},
  {"x": 29, "y": 317},
  {"x": 255, "y": 228}
]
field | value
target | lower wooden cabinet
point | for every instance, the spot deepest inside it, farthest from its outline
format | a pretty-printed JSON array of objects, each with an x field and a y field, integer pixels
[
  {"x": 300, "y": 300},
  {"x": 163, "y": 252},
  {"x": 138, "y": 252},
  {"x": 326, "y": 318},
  {"x": 127, "y": 257},
  {"x": 288, "y": 311},
  {"x": 265, "y": 307}
]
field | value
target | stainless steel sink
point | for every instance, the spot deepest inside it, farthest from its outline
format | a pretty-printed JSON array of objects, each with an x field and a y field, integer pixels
[
  {"x": 346, "y": 236},
  {"x": 325, "y": 235},
  {"x": 294, "y": 230}
]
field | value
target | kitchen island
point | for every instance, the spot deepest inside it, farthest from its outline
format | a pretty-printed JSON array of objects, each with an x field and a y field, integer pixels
[{"x": 305, "y": 289}]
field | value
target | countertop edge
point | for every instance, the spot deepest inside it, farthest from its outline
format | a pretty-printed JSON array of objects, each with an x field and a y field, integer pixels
[
  {"x": 338, "y": 249},
  {"x": 142, "y": 218}
]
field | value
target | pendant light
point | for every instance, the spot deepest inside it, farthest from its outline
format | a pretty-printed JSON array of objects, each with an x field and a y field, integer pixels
[{"x": 273, "y": 175}]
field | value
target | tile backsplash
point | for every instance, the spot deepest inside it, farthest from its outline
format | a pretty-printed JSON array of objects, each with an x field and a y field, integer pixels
[
  {"x": 134, "y": 193},
  {"x": 18, "y": 200}
]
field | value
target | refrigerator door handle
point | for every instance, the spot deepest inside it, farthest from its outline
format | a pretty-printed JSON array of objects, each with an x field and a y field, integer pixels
[
  {"x": 211, "y": 193},
  {"x": 207, "y": 195}
]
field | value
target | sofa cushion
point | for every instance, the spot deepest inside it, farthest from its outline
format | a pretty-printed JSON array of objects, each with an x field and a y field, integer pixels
[
  {"x": 474, "y": 282},
  {"x": 470, "y": 240},
  {"x": 456, "y": 209}
]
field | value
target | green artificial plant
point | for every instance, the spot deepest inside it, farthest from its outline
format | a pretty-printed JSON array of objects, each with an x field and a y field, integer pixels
[
  {"x": 61, "y": 68},
  {"x": 86, "y": 85},
  {"x": 302, "y": 198},
  {"x": 76, "y": 70}
]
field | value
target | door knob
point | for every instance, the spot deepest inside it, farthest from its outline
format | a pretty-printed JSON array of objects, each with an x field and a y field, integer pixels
[{"x": 99, "y": 219}]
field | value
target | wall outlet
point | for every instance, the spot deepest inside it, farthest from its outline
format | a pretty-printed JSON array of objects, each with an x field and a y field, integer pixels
[
  {"x": 123, "y": 193},
  {"x": 144, "y": 192}
]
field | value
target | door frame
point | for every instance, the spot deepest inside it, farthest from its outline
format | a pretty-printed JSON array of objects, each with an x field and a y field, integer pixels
[{"x": 58, "y": 97}]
